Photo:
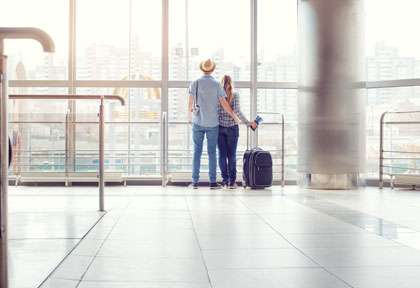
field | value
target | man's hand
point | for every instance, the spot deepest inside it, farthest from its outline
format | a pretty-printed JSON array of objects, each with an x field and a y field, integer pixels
[{"x": 228, "y": 109}]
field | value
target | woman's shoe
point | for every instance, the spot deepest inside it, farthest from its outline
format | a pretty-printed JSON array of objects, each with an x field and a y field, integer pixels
[{"x": 233, "y": 185}]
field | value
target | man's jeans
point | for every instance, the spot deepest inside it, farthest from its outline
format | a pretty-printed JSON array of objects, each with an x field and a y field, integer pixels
[
  {"x": 228, "y": 142},
  {"x": 212, "y": 134}
]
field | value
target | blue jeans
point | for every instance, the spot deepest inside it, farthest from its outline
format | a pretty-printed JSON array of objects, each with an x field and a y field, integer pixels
[
  {"x": 228, "y": 142},
  {"x": 212, "y": 134}
]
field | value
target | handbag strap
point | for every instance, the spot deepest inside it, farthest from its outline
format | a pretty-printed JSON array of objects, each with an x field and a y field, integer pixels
[{"x": 196, "y": 94}]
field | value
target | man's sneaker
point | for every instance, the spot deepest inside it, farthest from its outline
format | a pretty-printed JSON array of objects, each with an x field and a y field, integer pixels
[
  {"x": 224, "y": 184},
  {"x": 194, "y": 185},
  {"x": 214, "y": 186},
  {"x": 233, "y": 185}
]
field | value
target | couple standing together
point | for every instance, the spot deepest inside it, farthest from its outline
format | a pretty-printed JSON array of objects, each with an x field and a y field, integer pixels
[{"x": 215, "y": 113}]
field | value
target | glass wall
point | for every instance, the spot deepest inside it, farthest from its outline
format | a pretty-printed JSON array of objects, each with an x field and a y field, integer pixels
[
  {"x": 120, "y": 52},
  {"x": 392, "y": 50},
  {"x": 201, "y": 29},
  {"x": 277, "y": 40},
  {"x": 392, "y": 56}
]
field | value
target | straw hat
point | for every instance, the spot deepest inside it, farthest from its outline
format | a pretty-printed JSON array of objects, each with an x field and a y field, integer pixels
[{"x": 207, "y": 66}]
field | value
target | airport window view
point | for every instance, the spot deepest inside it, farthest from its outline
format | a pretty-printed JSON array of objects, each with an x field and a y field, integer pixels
[
  {"x": 123, "y": 46},
  {"x": 209, "y": 144}
]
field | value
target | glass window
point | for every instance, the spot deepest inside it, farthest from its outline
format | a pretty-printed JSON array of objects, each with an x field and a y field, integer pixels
[
  {"x": 145, "y": 149},
  {"x": 103, "y": 40},
  {"x": 87, "y": 147},
  {"x": 87, "y": 110},
  {"x": 37, "y": 131},
  {"x": 402, "y": 137},
  {"x": 392, "y": 49},
  {"x": 122, "y": 43},
  {"x": 272, "y": 103},
  {"x": 217, "y": 29},
  {"x": 277, "y": 34},
  {"x": 145, "y": 40},
  {"x": 27, "y": 61}
]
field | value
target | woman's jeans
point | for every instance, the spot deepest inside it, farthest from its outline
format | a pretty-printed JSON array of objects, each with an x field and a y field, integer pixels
[
  {"x": 212, "y": 134},
  {"x": 228, "y": 142}
]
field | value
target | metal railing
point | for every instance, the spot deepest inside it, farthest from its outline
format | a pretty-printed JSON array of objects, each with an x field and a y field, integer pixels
[
  {"x": 382, "y": 151},
  {"x": 173, "y": 163},
  {"x": 101, "y": 98}
]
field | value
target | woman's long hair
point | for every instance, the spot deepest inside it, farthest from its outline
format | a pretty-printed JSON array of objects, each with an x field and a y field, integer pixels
[{"x": 228, "y": 87}]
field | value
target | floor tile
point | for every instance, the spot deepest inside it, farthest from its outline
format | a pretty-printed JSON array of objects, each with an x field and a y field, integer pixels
[
  {"x": 359, "y": 257},
  {"x": 280, "y": 278},
  {"x": 161, "y": 249},
  {"x": 59, "y": 283},
  {"x": 73, "y": 267},
  {"x": 383, "y": 277},
  {"x": 339, "y": 240},
  {"x": 147, "y": 269},
  {"x": 256, "y": 259},
  {"x": 247, "y": 241},
  {"x": 91, "y": 284}
]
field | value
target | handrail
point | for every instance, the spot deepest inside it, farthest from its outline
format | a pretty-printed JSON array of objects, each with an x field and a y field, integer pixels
[
  {"x": 67, "y": 97},
  {"x": 164, "y": 122},
  {"x": 381, "y": 144},
  {"x": 101, "y": 122},
  {"x": 27, "y": 33}
]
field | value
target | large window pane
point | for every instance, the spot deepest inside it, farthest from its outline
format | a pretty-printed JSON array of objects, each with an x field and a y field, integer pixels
[
  {"x": 26, "y": 58},
  {"x": 277, "y": 31},
  {"x": 37, "y": 131},
  {"x": 218, "y": 29},
  {"x": 122, "y": 43},
  {"x": 272, "y": 103},
  {"x": 87, "y": 110},
  {"x": 145, "y": 149},
  {"x": 102, "y": 40},
  {"x": 392, "y": 48},
  {"x": 402, "y": 137},
  {"x": 87, "y": 147},
  {"x": 145, "y": 40}
]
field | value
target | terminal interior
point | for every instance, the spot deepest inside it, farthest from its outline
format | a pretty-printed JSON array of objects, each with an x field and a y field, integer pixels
[{"x": 93, "y": 106}]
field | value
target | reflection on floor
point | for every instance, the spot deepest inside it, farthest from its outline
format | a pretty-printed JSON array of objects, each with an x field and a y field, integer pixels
[{"x": 175, "y": 237}]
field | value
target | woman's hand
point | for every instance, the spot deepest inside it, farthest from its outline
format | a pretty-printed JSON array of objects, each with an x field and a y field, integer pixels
[{"x": 253, "y": 125}]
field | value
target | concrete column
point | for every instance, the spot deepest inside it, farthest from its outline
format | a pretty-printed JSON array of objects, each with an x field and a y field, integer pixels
[{"x": 331, "y": 130}]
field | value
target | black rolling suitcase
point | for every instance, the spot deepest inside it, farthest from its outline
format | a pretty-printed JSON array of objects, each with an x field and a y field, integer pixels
[{"x": 257, "y": 168}]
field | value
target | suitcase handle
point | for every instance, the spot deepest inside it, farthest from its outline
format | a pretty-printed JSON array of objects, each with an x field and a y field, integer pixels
[{"x": 248, "y": 137}]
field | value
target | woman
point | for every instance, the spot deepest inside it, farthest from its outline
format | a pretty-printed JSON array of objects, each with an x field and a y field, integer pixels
[{"x": 229, "y": 134}]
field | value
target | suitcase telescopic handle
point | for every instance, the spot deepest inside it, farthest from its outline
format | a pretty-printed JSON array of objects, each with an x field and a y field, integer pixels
[{"x": 248, "y": 137}]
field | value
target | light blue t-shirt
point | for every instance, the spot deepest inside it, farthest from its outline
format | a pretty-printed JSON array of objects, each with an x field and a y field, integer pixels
[{"x": 209, "y": 94}]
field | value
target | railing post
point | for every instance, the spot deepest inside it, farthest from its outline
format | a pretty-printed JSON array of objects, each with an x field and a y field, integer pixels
[
  {"x": 381, "y": 151},
  {"x": 4, "y": 153},
  {"x": 163, "y": 160},
  {"x": 282, "y": 151},
  {"x": 101, "y": 155},
  {"x": 67, "y": 147}
]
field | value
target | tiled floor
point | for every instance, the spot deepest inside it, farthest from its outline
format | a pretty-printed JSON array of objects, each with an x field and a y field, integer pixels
[{"x": 175, "y": 237}]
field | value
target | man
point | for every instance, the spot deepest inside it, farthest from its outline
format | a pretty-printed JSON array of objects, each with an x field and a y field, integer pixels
[{"x": 205, "y": 94}]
